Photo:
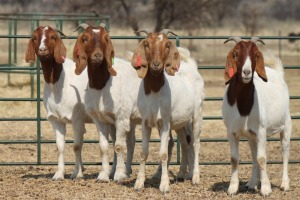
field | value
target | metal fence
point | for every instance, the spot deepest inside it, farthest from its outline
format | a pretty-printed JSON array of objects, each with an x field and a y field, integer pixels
[{"x": 35, "y": 70}]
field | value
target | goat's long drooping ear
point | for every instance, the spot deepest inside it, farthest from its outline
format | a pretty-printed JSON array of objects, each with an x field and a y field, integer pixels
[
  {"x": 230, "y": 68},
  {"x": 172, "y": 62},
  {"x": 79, "y": 56},
  {"x": 139, "y": 59},
  {"x": 260, "y": 66},
  {"x": 109, "y": 56},
  {"x": 30, "y": 53},
  {"x": 60, "y": 51}
]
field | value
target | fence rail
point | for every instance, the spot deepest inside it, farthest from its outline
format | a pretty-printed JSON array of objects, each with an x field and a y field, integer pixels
[{"x": 38, "y": 119}]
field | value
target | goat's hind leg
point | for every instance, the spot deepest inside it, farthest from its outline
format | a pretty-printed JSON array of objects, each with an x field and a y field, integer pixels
[
  {"x": 130, "y": 143},
  {"x": 285, "y": 144},
  {"x": 182, "y": 137},
  {"x": 79, "y": 130}
]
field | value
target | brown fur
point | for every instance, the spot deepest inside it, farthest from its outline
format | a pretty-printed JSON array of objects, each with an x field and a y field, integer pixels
[
  {"x": 156, "y": 56},
  {"x": 87, "y": 47},
  {"x": 52, "y": 63},
  {"x": 239, "y": 92}
]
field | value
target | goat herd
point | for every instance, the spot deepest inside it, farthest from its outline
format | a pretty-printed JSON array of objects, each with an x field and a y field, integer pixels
[{"x": 161, "y": 87}]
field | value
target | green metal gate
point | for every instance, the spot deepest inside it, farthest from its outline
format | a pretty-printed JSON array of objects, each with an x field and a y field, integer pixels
[{"x": 35, "y": 70}]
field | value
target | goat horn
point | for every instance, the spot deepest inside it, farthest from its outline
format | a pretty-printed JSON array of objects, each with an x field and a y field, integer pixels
[
  {"x": 167, "y": 31},
  {"x": 82, "y": 25},
  {"x": 60, "y": 32},
  {"x": 103, "y": 25},
  {"x": 257, "y": 39},
  {"x": 235, "y": 38},
  {"x": 143, "y": 31}
]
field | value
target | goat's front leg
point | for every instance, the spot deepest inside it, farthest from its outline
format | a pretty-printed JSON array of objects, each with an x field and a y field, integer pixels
[
  {"x": 60, "y": 132},
  {"x": 234, "y": 148},
  {"x": 163, "y": 154},
  {"x": 262, "y": 163},
  {"x": 79, "y": 130},
  {"x": 146, "y": 133},
  {"x": 122, "y": 126},
  {"x": 104, "y": 145},
  {"x": 254, "y": 181},
  {"x": 157, "y": 174}
]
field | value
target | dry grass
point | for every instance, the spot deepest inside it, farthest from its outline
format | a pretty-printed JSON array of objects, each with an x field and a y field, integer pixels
[{"x": 30, "y": 182}]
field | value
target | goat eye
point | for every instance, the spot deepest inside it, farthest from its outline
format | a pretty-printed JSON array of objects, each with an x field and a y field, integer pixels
[{"x": 168, "y": 64}]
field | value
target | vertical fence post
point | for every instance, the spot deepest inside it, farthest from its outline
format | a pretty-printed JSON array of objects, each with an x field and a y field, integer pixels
[
  {"x": 279, "y": 45},
  {"x": 178, "y": 143},
  {"x": 38, "y": 96},
  {"x": 31, "y": 65},
  {"x": 15, "y": 40},
  {"x": 9, "y": 50}
]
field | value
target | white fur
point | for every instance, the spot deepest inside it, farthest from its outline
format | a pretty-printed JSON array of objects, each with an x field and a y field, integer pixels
[
  {"x": 270, "y": 114},
  {"x": 114, "y": 108},
  {"x": 177, "y": 106},
  {"x": 64, "y": 102},
  {"x": 42, "y": 45}
]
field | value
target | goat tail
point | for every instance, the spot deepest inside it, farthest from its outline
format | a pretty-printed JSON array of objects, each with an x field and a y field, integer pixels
[
  {"x": 272, "y": 61},
  {"x": 185, "y": 54}
]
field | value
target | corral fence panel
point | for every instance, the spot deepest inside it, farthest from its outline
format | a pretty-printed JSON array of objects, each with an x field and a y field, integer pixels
[{"x": 35, "y": 72}]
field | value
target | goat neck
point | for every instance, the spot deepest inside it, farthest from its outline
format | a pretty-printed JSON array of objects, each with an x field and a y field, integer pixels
[
  {"x": 98, "y": 74},
  {"x": 153, "y": 82},
  {"x": 242, "y": 94},
  {"x": 51, "y": 70}
]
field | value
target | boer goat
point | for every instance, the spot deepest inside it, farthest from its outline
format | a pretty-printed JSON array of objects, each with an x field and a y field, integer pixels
[
  {"x": 110, "y": 97},
  {"x": 255, "y": 105},
  {"x": 63, "y": 93},
  {"x": 168, "y": 101}
]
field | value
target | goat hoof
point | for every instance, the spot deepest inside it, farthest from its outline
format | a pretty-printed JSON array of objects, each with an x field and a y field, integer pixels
[
  {"x": 139, "y": 185},
  {"x": 265, "y": 190},
  {"x": 285, "y": 186},
  {"x": 164, "y": 187},
  {"x": 58, "y": 176},
  {"x": 233, "y": 188},
  {"x": 103, "y": 177}
]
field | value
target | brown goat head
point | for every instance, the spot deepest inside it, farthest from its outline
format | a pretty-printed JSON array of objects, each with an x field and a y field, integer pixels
[
  {"x": 93, "y": 46},
  {"x": 243, "y": 60},
  {"x": 156, "y": 53},
  {"x": 46, "y": 44}
]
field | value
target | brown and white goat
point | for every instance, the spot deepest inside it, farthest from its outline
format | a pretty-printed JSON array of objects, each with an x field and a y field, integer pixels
[
  {"x": 255, "y": 105},
  {"x": 63, "y": 93},
  {"x": 168, "y": 101},
  {"x": 110, "y": 97}
]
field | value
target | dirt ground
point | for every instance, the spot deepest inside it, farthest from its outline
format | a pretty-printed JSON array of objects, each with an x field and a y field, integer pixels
[{"x": 34, "y": 182}]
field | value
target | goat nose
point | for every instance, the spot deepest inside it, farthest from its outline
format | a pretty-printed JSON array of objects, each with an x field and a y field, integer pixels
[
  {"x": 246, "y": 71},
  {"x": 156, "y": 63},
  {"x": 42, "y": 50}
]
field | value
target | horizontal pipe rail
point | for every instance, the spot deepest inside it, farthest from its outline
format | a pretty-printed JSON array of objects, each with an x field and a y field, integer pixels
[
  {"x": 9, "y": 68},
  {"x": 138, "y": 141}
]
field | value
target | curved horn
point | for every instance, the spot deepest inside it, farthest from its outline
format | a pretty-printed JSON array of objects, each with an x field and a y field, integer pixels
[
  {"x": 147, "y": 31},
  {"x": 167, "y": 31},
  {"x": 82, "y": 25},
  {"x": 103, "y": 25},
  {"x": 235, "y": 38},
  {"x": 60, "y": 32},
  {"x": 257, "y": 39}
]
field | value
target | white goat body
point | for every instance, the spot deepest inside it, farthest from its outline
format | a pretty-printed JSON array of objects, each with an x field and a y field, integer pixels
[
  {"x": 269, "y": 114},
  {"x": 176, "y": 106}
]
